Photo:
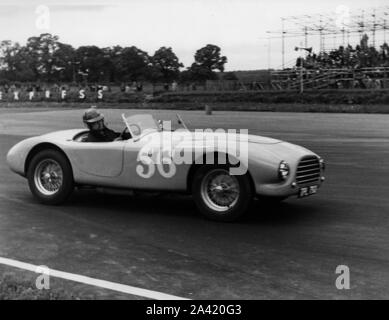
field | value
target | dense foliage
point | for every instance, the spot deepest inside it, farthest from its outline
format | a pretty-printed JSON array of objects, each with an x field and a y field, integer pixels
[{"x": 44, "y": 58}]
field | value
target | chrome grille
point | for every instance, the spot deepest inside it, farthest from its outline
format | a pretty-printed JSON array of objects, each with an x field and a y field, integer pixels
[{"x": 308, "y": 170}]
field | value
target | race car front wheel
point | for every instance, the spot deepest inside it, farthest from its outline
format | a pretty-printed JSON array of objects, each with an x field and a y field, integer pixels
[
  {"x": 219, "y": 195},
  {"x": 50, "y": 177}
]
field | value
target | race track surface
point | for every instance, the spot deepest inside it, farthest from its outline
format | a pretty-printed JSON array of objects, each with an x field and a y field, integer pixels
[{"x": 289, "y": 250}]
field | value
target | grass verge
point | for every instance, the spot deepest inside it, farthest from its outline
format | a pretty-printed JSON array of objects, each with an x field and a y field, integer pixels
[{"x": 13, "y": 288}]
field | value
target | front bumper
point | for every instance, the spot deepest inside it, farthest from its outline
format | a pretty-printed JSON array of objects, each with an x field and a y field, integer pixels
[
  {"x": 307, "y": 172},
  {"x": 286, "y": 190}
]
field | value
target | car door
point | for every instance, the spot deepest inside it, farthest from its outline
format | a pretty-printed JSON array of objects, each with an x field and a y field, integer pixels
[
  {"x": 131, "y": 176},
  {"x": 150, "y": 175},
  {"x": 101, "y": 159}
]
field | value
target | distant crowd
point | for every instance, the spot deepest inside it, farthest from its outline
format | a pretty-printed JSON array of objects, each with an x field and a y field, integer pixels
[
  {"x": 359, "y": 67},
  {"x": 358, "y": 57},
  {"x": 332, "y": 79}
]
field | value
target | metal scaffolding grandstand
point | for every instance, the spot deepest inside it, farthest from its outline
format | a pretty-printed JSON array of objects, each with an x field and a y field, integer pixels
[{"x": 332, "y": 29}]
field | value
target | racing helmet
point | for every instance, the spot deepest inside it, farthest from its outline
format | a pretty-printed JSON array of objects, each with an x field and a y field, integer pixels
[{"x": 92, "y": 115}]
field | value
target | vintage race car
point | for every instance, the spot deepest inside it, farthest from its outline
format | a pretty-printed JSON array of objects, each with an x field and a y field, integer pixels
[{"x": 223, "y": 170}]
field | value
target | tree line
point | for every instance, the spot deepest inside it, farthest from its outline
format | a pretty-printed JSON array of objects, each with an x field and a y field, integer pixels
[{"x": 45, "y": 59}]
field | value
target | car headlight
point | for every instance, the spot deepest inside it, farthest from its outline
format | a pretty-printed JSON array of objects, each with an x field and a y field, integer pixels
[
  {"x": 283, "y": 170},
  {"x": 322, "y": 164}
]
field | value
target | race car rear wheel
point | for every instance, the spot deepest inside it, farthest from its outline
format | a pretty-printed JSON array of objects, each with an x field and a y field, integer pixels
[
  {"x": 219, "y": 195},
  {"x": 50, "y": 177}
]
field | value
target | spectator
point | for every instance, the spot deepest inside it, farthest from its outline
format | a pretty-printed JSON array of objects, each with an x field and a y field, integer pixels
[
  {"x": 377, "y": 84},
  {"x": 356, "y": 84}
]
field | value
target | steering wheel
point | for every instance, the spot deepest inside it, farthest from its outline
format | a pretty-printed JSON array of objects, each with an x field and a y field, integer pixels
[
  {"x": 123, "y": 135},
  {"x": 137, "y": 131},
  {"x": 124, "y": 131}
]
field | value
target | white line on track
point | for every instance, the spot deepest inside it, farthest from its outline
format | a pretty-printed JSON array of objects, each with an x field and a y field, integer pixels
[{"x": 93, "y": 282}]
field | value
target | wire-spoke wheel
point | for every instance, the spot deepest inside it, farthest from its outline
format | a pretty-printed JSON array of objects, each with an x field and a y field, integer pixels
[
  {"x": 50, "y": 177},
  {"x": 220, "y": 190},
  {"x": 219, "y": 195}
]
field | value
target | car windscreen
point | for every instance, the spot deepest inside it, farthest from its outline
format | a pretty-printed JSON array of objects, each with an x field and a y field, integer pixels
[{"x": 141, "y": 124}]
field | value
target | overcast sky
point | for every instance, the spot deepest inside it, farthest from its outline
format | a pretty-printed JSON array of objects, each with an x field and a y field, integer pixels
[{"x": 237, "y": 26}]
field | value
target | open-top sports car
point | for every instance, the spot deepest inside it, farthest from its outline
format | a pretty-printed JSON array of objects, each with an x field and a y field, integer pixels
[{"x": 223, "y": 170}]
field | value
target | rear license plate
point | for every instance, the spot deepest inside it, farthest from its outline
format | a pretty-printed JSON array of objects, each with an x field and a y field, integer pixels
[{"x": 307, "y": 191}]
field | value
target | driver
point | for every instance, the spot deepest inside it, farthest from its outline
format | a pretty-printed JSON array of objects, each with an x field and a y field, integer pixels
[{"x": 94, "y": 120}]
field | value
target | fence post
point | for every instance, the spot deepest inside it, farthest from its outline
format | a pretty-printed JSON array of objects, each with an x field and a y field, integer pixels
[
  {"x": 208, "y": 110},
  {"x": 301, "y": 79}
]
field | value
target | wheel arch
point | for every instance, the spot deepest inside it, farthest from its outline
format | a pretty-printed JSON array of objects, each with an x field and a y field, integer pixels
[
  {"x": 40, "y": 147},
  {"x": 195, "y": 166}
]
